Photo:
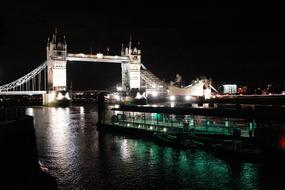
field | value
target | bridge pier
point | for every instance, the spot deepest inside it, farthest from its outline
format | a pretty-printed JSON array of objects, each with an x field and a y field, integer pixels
[{"x": 56, "y": 98}]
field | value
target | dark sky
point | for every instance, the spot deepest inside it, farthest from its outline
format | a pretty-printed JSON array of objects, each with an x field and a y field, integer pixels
[{"x": 226, "y": 41}]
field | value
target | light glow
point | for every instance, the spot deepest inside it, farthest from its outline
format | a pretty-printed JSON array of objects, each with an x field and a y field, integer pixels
[
  {"x": 67, "y": 96},
  {"x": 59, "y": 96},
  {"x": 187, "y": 98},
  {"x": 139, "y": 96},
  {"x": 117, "y": 97},
  {"x": 99, "y": 55},
  {"x": 119, "y": 88},
  {"x": 154, "y": 93},
  {"x": 172, "y": 98}
]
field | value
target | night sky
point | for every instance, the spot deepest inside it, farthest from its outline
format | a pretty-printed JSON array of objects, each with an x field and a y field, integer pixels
[{"x": 228, "y": 42}]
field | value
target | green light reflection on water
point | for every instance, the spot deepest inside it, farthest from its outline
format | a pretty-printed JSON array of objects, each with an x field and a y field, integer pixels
[{"x": 191, "y": 168}]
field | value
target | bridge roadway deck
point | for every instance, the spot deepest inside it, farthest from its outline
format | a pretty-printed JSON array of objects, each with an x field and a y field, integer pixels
[{"x": 96, "y": 58}]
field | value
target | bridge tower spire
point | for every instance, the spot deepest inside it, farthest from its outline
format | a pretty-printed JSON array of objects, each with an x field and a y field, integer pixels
[{"x": 122, "y": 50}]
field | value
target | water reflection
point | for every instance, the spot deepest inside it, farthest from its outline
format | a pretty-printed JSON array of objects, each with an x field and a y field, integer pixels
[
  {"x": 125, "y": 150},
  {"x": 81, "y": 158}
]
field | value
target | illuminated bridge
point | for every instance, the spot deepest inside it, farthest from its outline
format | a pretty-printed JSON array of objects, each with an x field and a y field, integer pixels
[{"x": 50, "y": 76}]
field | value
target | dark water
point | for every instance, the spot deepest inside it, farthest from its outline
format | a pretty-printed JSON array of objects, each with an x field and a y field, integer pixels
[{"x": 81, "y": 158}]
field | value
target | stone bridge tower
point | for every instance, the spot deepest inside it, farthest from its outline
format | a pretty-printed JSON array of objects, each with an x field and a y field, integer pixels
[
  {"x": 131, "y": 70},
  {"x": 56, "y": 62}
]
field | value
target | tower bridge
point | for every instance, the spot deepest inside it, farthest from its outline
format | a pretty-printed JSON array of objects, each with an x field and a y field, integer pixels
[{"x": 50, "y": 76}]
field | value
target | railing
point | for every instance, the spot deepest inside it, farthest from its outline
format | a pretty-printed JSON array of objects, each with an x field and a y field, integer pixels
[
  {"x": 11, "y": 113},
  {"x": 30, "y": 82}
]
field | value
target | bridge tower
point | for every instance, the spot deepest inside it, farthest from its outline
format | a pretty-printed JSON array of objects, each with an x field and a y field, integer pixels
[
  {"x": 56, "y": 70},
  {"x": 56, "y": 62},
  {"x": 131, "y": 70}
]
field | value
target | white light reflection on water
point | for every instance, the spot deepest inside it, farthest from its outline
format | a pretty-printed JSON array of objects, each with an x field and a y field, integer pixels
[
  {"x": 125, "y": 152},
  {"x": 59, "y": 122},
  {"x": 55, "y": 125},
  {"x": 81, "y": 110}
]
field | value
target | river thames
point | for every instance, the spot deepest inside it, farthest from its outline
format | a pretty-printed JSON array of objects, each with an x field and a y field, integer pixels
[{"x": 70, "y": 146}]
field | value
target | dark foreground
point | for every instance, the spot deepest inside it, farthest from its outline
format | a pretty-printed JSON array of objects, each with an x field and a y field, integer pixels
[{"x": 19, "y": 163}]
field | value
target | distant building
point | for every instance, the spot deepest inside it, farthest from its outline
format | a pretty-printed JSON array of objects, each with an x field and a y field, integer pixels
[
  {"x": 242, "y": 90},
  {"x": 230, "y": 88}
]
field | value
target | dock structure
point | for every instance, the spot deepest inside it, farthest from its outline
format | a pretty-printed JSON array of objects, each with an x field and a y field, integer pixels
[{"x": 182, "y": 120}]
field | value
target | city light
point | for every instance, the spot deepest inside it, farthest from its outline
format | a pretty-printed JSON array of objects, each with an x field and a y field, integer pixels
[
  {"x": 207, "y": 94},
  {"x": 139, "y": 96},
  {"x": 117, "y": 97},
  {"x": 99, "y": 55},
  {"x": 59, "y": 96},
  {"x": 172, "y": 98},
  {"x": 67, "y": 96},
  {"x": 119, "y": 88},
  {"x": 154, "y": 93},
  {"x": 187, "y": 98}
]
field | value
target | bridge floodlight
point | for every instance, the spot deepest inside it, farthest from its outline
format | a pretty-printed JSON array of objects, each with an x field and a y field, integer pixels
[
  {"x": 67, "y": 96},
  {"x": 59, "y": 96},
  {"x": 139, "y": 96}
]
